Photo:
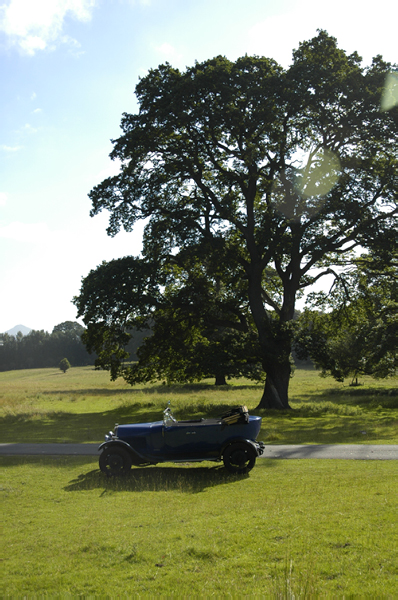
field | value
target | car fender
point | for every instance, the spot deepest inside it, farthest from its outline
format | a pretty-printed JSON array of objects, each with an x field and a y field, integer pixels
[
  {"x": 240, "y": 441},
  {"x": 136, "y": 456}
]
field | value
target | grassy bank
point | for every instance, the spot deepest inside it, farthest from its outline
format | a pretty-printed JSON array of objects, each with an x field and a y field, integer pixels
[
  {"x": 292, "y": 529},
  {"x": 46, "y": 405}
]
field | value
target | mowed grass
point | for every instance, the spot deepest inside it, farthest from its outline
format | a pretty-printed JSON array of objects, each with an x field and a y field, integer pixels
[
  {"x": 291, "y": 529},
  {"x": 81, "y": 405}
]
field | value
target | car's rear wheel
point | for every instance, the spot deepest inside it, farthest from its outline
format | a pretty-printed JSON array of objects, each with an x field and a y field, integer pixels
[
  {"x": 115, "y": 461},
  {"x": 239, "y": 458}
]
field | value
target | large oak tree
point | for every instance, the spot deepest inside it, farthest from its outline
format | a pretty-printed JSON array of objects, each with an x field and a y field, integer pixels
[{"x": 289, "y": 170}]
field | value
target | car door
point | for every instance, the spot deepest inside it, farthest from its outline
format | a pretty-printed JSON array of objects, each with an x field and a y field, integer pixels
[{"x": 191, "y": 440}]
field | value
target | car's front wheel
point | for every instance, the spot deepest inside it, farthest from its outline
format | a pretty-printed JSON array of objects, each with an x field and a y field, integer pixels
[
  {"x": 115, "y": 461},
  {"x": 239, "y": 458}
]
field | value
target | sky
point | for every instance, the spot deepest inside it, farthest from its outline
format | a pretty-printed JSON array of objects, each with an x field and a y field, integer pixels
[{"x": 68, "y": 70}]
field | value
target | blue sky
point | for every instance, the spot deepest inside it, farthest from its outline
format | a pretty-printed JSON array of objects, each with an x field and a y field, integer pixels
[{"x": 68, "y": 71}]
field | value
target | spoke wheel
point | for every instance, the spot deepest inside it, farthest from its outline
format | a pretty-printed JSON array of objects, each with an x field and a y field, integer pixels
[
  {"x": 115, "y": 461},
  {"x": 239, "y": 458}
]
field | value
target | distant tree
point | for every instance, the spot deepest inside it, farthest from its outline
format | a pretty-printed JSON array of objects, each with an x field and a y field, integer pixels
[
  {"x": 64, "y": 365},
  {"x": 69, "y": 327},
  {"x": 34, "y": 350},
  {"x": 39, "y": 349},
  {"x": 8, "y": 353},
  {"x": 66, "y": 340}
]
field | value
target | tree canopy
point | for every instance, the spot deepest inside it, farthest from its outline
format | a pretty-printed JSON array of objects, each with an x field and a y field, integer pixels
[
  {"x": 359, "y": 336},
  {"x": 64, "y": 365},
  {"x": 195, "y": 325},
  {"x": 279, "y": 175}
]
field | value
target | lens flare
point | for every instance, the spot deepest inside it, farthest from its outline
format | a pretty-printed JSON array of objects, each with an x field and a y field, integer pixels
[
  {"x": 319, "y": 176},
  {"x": 389, "y": 98},
  {"x": 301, "y": 191}
]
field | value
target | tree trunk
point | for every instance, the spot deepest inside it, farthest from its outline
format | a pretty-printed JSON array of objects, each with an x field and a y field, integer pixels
[
  {"x": 276, "y": 387},
  {"x": 275, "y": 338},
  {"x": 220, "y": 380}
]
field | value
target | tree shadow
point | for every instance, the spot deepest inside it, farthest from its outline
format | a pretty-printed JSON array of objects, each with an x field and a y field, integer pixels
[
  {"x": 53, "y": 426},
  {"x": 360, "y": 391},
  {"x": 66, "y": 427},
  {"x": 346, "y": 395},
  {"x": 92, "y": 392},
  {"x": 182, "y": 388},
  {"x": 156, "y": 479}
]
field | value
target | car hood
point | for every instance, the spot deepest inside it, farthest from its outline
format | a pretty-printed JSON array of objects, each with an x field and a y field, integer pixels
[{"x": 123, "y": 431}]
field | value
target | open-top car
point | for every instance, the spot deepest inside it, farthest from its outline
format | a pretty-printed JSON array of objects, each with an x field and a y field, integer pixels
[{"x": 231, "y": 438}]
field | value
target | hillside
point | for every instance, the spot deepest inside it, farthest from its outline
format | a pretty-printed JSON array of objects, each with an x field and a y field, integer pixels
[{"x": 24, "y": 330}]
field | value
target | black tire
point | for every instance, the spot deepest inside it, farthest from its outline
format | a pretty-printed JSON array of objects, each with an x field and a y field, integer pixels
[
  {"x": 115, "y": 461},
  {"x": 239, "y": 458}
]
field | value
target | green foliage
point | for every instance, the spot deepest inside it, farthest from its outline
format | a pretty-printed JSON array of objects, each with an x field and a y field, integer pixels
[
  {"x": 40, "y": 349},
  {"x": 64, "y": 365},
  {"x": 197, "y": 324},
  {"x": 69, "y": 327},
  {"x": 359, "y": 337},
  {"x": 280, "y": 174}
]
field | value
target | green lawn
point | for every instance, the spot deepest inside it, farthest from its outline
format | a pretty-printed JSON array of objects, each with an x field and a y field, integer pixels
[
  {"x": 291, "y": 529},
  {"x": 46, "y": 405}
]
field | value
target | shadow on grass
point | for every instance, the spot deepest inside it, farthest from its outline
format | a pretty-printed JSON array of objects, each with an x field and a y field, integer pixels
[
  {"x": 365, "y": 428},
  {"x": 159, "y": 389},
  {"x": 368, "y": 398},
  {"x": 188, "y": 478},
  {"x": 331, "y": 422},
  {"x": 359, "y": 391},
  {"x": 64, "y": 427},
  {"x": 156, "y": 479},
  {"x": 357, "y": 394},
  {"x": 67, "y": 427}
]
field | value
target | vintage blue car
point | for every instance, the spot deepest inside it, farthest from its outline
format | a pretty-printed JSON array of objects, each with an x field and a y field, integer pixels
[{"x": 230, "y": 438}]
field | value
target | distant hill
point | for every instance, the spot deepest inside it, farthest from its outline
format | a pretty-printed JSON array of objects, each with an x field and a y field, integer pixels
[{"x": 24, "y": 330}]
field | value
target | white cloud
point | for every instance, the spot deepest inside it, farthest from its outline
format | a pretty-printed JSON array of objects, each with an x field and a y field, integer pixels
[
  {"x": 74, "y": 45},
  {"x": 169, "y": 53},
  {"x": 34, "y": 25},
  {"x": 141, "y": 2},
  {"x": 27, "y": 128},
  {"x": 5, "y": 148},
  {"x": 31, "y": 43},
  {"x": 3, "y": 199}
]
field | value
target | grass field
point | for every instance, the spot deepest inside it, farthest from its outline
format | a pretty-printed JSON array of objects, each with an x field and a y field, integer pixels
[
  {"x": 46, "y": 405},
  {"x": 291, "y": 529}
]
